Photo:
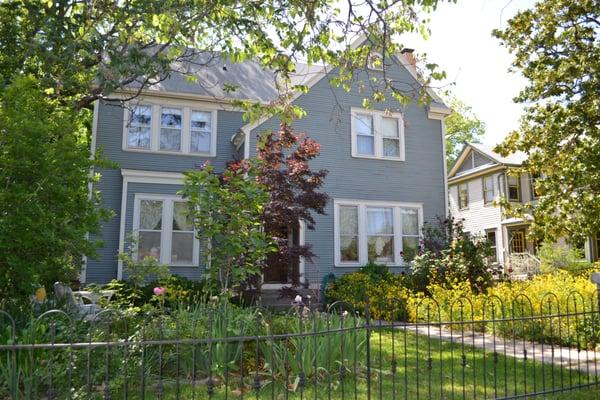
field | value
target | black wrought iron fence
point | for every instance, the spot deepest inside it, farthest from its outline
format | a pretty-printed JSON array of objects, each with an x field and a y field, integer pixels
[{"x": 460, "y": 350}]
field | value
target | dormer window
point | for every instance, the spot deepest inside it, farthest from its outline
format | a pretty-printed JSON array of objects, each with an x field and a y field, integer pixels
[{"x": 377, "y": 134}]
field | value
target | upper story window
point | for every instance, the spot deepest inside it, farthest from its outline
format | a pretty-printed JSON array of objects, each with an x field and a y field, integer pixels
[
  {"x": 514, "y": 188},
  {"x": 139, "y": 132},
  {"x": 379, "y": 232},
  {"x": 488, "y": 189},
  {"x": 377, "y": 134},
  {"x": 463, "y": 195},
  {"x": 172, "y": 129},
  {"x": 535, "y": 192},
  {"x": 165, "y": 230}
]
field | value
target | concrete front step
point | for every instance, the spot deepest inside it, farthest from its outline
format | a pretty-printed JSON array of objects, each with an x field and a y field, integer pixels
[{"x": 272, "y": 298}]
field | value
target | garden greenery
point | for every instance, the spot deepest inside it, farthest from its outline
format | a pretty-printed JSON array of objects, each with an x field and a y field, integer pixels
[{"x": 226, "y": 211}]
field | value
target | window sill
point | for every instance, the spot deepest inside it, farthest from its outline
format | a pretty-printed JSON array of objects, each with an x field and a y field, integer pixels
[
  {"x": 167, "y": 152},
  {"x": 378, "y": 158},
  {"x": 183, "y": 265}
]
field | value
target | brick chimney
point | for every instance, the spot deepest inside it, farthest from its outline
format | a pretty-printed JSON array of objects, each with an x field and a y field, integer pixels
[{"x": 410, "y": 57}]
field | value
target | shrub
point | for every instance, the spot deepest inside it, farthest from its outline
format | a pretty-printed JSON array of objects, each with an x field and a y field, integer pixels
[
  {"x": 548, "y": 294},
  {"x": 463, "y": 259},
  {"x": 554, "y": 257},
  {"x": 375, "y": 285}
]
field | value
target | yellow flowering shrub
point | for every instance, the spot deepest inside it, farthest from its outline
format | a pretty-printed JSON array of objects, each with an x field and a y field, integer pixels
[{"x": 543, "y": 305}]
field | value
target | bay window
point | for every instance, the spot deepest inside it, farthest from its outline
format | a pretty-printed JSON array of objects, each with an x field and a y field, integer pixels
[
  {"x": 165, "y": 230},
  {"x": 376, "y": 232},
  {"x": 377, "y": 134}
]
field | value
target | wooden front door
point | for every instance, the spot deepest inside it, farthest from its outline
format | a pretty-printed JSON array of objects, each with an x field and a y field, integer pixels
[
  {"x": 278, "y": 271},
  {"x": 517, "y": 241}
]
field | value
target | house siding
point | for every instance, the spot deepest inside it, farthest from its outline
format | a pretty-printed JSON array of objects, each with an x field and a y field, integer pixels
[
  {"x": 109, "y": 139},
  {"x": 479, "y": 217},
  {"x": 420, "y": 178}
]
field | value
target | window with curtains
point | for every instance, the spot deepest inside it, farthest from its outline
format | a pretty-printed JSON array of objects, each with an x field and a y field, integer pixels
[
  {"x": 176, "y": 129},
  {"x": 165, "y": 230},
  {"x": 170, "y": 128},
  {"x": 377, "y": 134},
  {"x": 377, "y": 232}
]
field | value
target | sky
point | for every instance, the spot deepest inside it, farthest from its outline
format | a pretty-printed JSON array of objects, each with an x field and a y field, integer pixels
[{"x": 461, "y": 43}]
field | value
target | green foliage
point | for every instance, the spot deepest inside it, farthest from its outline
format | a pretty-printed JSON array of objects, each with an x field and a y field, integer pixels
[
  {"x": 45, "y": 207},
  {"x": 554, "y": 257},
  {"x": 136, "y": 298},
  {"x": 91, "y": 50},
  {"x": 547, "y": 294},
  {"x": 450, "y": 255},
  {"x": 373, "y": 285},
  {"x": 138, "y": 272},
  {"x": 556, "y": 48},
  {"x": 461, "y": 126},
  {"x": 227, "y": 216}
]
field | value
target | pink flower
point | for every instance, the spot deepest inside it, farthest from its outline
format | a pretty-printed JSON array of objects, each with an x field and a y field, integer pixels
[{"x": 160, "y": 291}]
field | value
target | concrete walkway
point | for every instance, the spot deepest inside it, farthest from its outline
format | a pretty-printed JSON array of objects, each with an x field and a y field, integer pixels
[{"x": 586, "y": 361}]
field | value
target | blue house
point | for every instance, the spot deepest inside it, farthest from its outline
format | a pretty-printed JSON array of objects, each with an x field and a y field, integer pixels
[{"x": 386, "y": 165}]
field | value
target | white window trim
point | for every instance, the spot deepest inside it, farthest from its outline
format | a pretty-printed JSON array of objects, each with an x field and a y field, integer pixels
[
  {"x": 483, "y": 189},
  {"x": 377, "y": 133},
  {"x": 186, "y": 131},
  {"x": 167, "y": 228},
  {"x": 362, "y": 232},
  {"x": 458, "y": 186}
]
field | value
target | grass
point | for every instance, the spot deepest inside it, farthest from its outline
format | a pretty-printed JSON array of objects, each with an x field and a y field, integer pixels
[{"x": 432, "y": 369}]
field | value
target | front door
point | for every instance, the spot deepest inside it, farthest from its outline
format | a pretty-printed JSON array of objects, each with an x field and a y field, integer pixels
[
  {"x": 517, "y": 241},
  {"x": 280, "y": 271}
]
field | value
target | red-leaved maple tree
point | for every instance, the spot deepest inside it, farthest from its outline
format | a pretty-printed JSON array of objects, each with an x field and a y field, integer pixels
[{"x": 282, "y": 167}]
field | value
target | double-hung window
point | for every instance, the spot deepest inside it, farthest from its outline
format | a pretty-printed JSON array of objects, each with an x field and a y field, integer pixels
[
  {"x": 491, "y": 238},
  {"x": 139, "y": 130},
  {"x": 173, "y": 129},
  {"x": 514, "y": 188},
  {"x": 488, "y": 189},
  {"x": 376, "y": 232},
  {"x": 165, "y": 230},
  {"x": 463, "y": 196},
  {"x": 377, "y": 134},
  {"x": 201, "y": 132},
  {"x": 170, "y": 128},
  {"x": 533, "y": 179},
  {"x": 380, "y": 234}
]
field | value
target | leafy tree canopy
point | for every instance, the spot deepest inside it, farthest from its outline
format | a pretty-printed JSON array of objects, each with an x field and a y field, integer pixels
[
  {"x": 45, "y": 206},
  {"x": 461, "y": 126},
  {"x": 556, "y": 45},
  {"x": 84, "y": 51}
]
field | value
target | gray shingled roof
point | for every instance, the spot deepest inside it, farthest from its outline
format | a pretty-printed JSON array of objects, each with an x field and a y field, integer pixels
[
  {"x": 212, "y": 73},
  {"x": 516, "y": 158}
]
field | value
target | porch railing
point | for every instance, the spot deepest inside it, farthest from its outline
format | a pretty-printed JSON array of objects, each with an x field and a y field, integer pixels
[{"x": 521, "y": 264}]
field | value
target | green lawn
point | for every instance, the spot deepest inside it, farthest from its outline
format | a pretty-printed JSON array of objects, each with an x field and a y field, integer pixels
[{"x": 446, "y": 376}]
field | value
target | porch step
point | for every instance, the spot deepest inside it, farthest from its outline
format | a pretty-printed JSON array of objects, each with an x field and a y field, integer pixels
[{"x": 272, "y": 298}]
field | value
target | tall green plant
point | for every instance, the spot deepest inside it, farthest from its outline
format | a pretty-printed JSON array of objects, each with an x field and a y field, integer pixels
[
  {"x": 45, "y": 207},
  {"x": 227, "y": 211}
]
